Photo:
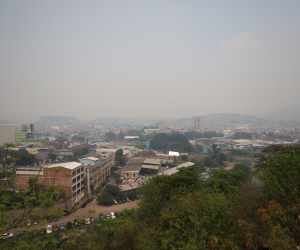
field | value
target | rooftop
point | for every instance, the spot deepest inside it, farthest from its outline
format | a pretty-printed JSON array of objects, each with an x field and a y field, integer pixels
[
  {"x": 152, "y": 161},
  {"x": 175, "y": 169},
  {"x": 68, "y": 165}
]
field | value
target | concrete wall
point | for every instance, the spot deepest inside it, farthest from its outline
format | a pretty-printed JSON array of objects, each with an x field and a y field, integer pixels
[{"x": 8, "y": 132}]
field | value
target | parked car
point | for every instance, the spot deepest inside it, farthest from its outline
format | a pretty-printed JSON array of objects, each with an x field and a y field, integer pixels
[
  {"x": 20, "y": 233},
  {"x": 55, "y": 228},
  {"x": 107, "y": 204},
  {"x": 127, "y": 199},
  {"x": 49, "y": 229},
  {"x": 115, "y": 202},
  {"x": 55, "y": 218},
  {"x": 123, "y": 200},
  {"x": 107, "y": 216},
  {"x": 120, "y": 201},
  {"x": 94, "y": 197},
  {"x": 101, "y": 215},
  {"x": 29, "y": 222},
  {"x": 89, "y": 200},
  {"x": 137, "y": 197},
  {"x": 21, "y": 223},
  {"x": 82, "y": 222},
  {"x": 132, "y": 198},
  {"x": 76, "y": 223},
  {"x": 117, "y": 214},
  {"x": 62, "y": 226},
  {"x": 42, "y": 231},
  {"x": 49, "y": 219},
  {"x": 83, "y": 205},
  {"x": 92, "y": 219},
  {"x": 33, "y": 234},
  {"x": 98, "y": 192},
  {"x": 6, "y": 236},
  {"x": 141, "y": 196},
  {"x": 87, "y": 221},
  {"x": 112, "y": 215},
  {"x": 69, "y": 225},
  {"x": 35, "y": 222}
]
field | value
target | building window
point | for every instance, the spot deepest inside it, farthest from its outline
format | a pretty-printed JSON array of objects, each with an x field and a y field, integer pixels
[
  {"x": 78, "y": 184},
  {"x": 81, "y": 169},
  {"x": 74, "y": 173},
  {"x": 78, "y": 177},
  {"x": 74, "y": 187},
  {"x": 133, "y": 174},
  {"x": 73, "y": 180},
  {"x": 82, "y": 175},
  {"x": 82, "y": 188},
  {"x": 78, "y": 170},
  {"x": 127, "y": 174}
]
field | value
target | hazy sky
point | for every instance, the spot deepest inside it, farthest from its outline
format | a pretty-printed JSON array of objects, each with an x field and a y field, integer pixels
[{"x": 158, "y": 59}]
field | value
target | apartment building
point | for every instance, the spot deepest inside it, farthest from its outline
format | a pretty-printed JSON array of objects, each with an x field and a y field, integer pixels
[
  {"x": 70, "y": 175},
  {"x": 96, "y": 170}
]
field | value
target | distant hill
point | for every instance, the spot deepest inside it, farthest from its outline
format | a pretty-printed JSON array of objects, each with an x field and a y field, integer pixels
[
  {"x": 56, "y": 121},
  {"x": 284, "y": 113}
]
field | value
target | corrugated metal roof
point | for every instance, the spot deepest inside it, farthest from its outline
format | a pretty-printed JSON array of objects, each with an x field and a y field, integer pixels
[
  {"x": 150, "y": 166},
  {"x": 152, "y": 161}
]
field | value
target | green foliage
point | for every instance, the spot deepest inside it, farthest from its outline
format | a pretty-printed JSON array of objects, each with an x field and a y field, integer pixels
[
  {"x": 121, "y": 135},
  {"x": 238, "y": 152},
  {"x": 133, "y": 133},
  {"x": 173, "y": 142},
  {"x": 280, "y": 171},
  {"x": 242, "y": 135},
  {"x": 215, "y": 160},
  {"x": 81, "y": 152},
  {"x": 118, "y": 157},
  {"x": 194, "y": 135},
  {"x": 110, "y": 136},
  {"x": 184, "y": 157},
  {"x": 52, "y": 156},
  {"x": 215, "y": 149},
  {"x": 243, "y": 167},
  {"x": 61, "y": 139},
  {"x": 226, "y": 181},
  {"x": 109, "y": 193},
  {"x": 77, "y": 138}
]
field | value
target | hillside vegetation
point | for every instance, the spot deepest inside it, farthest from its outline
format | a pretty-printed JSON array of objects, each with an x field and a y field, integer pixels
[{"x": 228, "y": 211}]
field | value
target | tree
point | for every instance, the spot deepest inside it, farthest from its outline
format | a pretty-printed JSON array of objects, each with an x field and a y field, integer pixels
[
  {"x": 121, "y": 135},
  {"x": 61, "y": 139},
  {"x": 118, "y": 156},
  {"x": 52, "y": 156},
  {"x": 109, "y": 193},
  {"x": 184, "y": 158},
  {"x": 242, "y": 135},
  {"x": 243, "y": 167},
  {"x": 110, "y": 136},
  {"x": 215, "y": 148},
  {"x": 91, "y": 211}
]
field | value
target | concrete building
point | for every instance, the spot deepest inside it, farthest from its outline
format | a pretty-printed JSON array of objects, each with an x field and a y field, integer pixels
[
  {"x": 199, "y": 123},
  {"x": 96, "y": 170},
  {"x": 71, "y": 177},
  {"x": 160, "y": 125},
  {"x": 8, "y": 132}
]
